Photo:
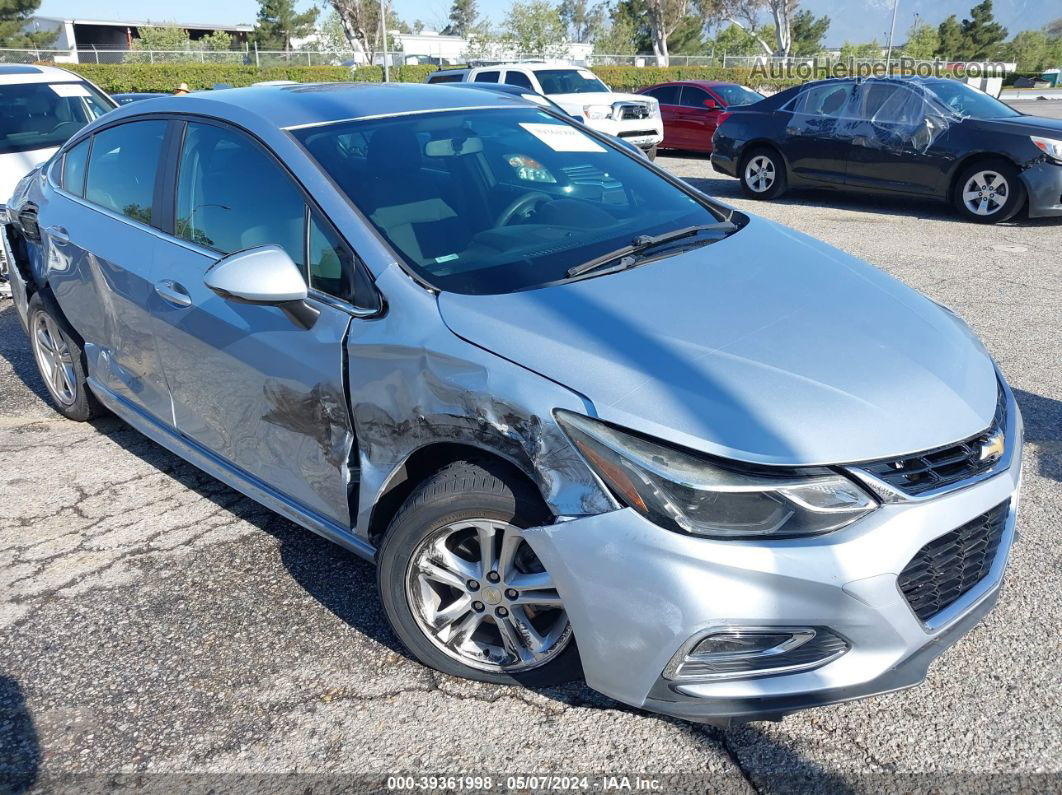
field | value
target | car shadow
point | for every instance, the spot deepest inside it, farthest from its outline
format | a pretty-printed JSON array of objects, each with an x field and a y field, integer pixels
[
  {"x": 15, "y": 349},
  {"x": 20, "y": 752},
  {"x": 726, "y": 188},
  {"x": 1043, "y": 426}
]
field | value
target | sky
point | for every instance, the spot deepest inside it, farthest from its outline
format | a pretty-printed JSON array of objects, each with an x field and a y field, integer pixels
[{"x": 855, "y": 20}]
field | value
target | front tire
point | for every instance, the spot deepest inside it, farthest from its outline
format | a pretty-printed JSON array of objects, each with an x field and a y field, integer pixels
[
  {"x": 463, "y": 589},
  {"x": 60, "y": 360},
  {"x": 651, "y": 152},
  {"x": 989, "y": 192},
  {"x": 762, "y": 174}
]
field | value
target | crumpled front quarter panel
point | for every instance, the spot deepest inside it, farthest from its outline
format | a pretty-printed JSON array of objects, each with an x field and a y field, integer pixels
[{"x": 413, "y": 384}]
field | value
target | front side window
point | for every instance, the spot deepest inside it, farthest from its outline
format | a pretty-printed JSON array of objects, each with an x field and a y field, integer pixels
[
  {"x": 514, "y": 78},
  {"x": 45, "y": 115},
  {"x": 232, "y": 196},
  {"x": 331, "y": 263},
  {"x": 694, "y": 97},
  {"x": 74, "y": 169},
  {"x": 122, "y": 168},
  {"x": 735, "y": 96},
  {"x": 967, "y": 102},
  {"x": 492, "y": 201},
  {"x": 569, "y": 81}
]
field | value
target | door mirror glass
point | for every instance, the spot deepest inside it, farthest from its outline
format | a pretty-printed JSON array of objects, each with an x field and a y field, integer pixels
[{"x": 263, "y": 275}]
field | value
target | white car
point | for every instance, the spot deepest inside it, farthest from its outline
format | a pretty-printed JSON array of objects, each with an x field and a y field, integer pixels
[
  {"x": 40, "y": 108},
  {"x": 632, "y": 117}
]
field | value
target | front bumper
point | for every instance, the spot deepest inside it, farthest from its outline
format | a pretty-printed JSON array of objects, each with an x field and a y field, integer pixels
[
  {"x": 1043, "y": 182},
  {"x": 636, "y": 594},
  {"x": 643, "y": 133}
]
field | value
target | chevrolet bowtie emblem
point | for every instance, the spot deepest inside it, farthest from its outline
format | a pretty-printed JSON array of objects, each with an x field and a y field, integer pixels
[{"x": 993, "y": 447}]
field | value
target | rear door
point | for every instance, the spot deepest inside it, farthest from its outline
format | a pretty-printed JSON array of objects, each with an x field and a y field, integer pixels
[
  {"x": 260, "y": 392},
  {"x": 670, "y": 113},
  {"x": 698, "y": 120},
  {"x": 817, "y": 140},
  {"x": 98, "y": 235},
  {"x": 895, "y": 141}
]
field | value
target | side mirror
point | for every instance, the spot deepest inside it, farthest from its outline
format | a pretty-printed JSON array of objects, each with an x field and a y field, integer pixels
[
  {"x": 264, "y": 275},
  {"x": 711, "y": 104}
]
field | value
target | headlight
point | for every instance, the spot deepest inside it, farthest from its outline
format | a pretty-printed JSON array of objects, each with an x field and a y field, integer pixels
[
  {"x": 1051, "y": 147},
  {"x": 597, "y": 111},
  {"x": 691, "y": 494}
]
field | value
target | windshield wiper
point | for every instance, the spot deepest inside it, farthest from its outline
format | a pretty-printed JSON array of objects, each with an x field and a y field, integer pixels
[{"x": 643, "y": 243}]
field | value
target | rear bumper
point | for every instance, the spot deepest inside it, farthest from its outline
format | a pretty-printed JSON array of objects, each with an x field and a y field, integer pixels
[
  {"x": 724, "y": 164},
  {"x": 1043, "y": 181},
  {"x": 637, "y": 595}
]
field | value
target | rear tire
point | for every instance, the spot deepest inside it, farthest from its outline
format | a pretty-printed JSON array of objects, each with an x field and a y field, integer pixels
[
  {"x": 501, "y": 622},
  {"x": 989, "y": 192},
  {"x": 60, "y": 360},
  {"x": 762, "y": 174}
]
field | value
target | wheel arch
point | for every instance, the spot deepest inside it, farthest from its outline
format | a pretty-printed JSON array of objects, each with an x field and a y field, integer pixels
[
  {"x": 970, "y": 159},
  {"x": 761, "y": 143},
  {"x": 424, "y": 462}
]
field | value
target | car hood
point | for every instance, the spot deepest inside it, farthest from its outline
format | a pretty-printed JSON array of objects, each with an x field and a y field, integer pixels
[
  {"x": 15, "y": 165},
  {"x": 578, "y": 100},
  {"x": 768, "y": 347},
  {"x": 1034, "y": 125}
]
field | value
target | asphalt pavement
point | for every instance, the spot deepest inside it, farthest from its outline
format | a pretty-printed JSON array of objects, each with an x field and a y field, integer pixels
[{"x": 154, "y": 624}]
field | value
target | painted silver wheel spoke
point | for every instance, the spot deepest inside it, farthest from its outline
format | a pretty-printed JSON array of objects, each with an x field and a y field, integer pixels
[
  {"x": 463, "y": 629},
  {"x": 511, "y": 640},
  {"x": 434, "y": 571},
  {"x": 511, "y": 541},
  {"x": 485, "y": 533},
  {"x": 453, "y": 612}
]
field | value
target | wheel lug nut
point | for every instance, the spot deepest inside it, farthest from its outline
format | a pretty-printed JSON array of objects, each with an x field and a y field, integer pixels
[
  {"x": 501, "y": 612},
  {"x": 477, "y": 606},
  {"x": 493, "y": 576},
  {"x": 511, "y": 593},
  {"x": 472, "y": 585}
]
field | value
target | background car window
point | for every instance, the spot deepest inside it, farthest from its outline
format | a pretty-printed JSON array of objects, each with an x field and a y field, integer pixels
[
  {"x": 231, "y": 195},
  {"x": 74, "y": 169},
  {"x": 694, "y": 97},
  {"x": 43, "y": 115},
  {"x": 487, "y": 77},
  {"x": 569, "y": 81},
  {"x": 518, "y": 79},
  {"x": 829, "y": 99},
  {"x": 331, "y": 263},
  {"x": 901, "y": 107},
  {"x": 121, "y": 169},
  {"x": 665, "y": 95}
]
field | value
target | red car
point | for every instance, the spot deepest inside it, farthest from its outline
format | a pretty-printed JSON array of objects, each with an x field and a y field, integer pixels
[{"x": 691, "y": 110}]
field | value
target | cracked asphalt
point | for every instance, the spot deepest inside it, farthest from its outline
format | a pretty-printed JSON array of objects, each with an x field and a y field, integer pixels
[{"x": 156, "y": 625}]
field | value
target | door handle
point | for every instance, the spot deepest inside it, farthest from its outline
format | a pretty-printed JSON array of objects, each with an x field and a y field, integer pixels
[
  {"x": 58, "y": 234},
  {"x": 173, "y": 293}
]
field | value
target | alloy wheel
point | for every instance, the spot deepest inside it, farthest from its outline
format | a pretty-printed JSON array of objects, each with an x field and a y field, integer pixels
[
  {"x": 985, "y": 193},
  {"x": 760, "y": 174},
  {"x": 480, "y": 594},
  {"x": 54, "y": 358}
]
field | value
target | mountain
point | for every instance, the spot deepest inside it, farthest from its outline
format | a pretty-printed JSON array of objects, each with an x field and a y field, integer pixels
[{"x": 863, "y": 20}]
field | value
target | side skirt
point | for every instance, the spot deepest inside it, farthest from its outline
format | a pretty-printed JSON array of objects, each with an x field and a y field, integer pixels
[{"x": 230, "y": 475}]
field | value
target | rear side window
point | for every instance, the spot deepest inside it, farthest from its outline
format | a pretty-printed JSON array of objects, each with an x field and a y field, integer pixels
[
  {"x": 74, "y": 169},
  {"x": 450, "y": 77},
  {"x": 231, "y": 195},
  {"x": 487, "y": 77},
  {"x": 121, "y": 170},
  {"x": 665, "y": 95},
  {"x": 828, "y": 99},
  {"x": 518, "y": 79}
]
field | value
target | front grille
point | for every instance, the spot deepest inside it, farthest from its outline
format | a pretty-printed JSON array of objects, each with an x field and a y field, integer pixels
[
  {"x": 949, "y": 566},
  {"x": 634, "y": 111},
  {"x": 942, "y": 466}
]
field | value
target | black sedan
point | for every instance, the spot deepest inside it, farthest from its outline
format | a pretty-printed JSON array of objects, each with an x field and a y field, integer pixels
[{"x": 931, "y": 137}]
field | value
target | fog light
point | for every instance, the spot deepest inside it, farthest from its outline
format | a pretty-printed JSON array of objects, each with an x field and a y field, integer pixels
[{"x": 745, "y": 652}]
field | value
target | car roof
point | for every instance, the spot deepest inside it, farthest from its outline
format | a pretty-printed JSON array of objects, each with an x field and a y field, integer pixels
[
  {"x": 25, "y": 73},
  {"x": 533, "y": 67},
  {"x": 304, "y": 105}
]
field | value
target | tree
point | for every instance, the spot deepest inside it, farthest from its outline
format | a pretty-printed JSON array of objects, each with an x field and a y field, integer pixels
[
  {"x": 1033, "y": 51},
  {"x": 463, "y": 18},
  {"x": 214, "y": 42},
  {"x": 1054, "y": 28},
  {"x": 949, "y": 34},
  {"x": 981, "y": 34},
  {"x": 808, "y": 32},
  {"x": 870, "y": 49},
  {"x": 746, "y": 14},
  {"x": 923, "y": 42},
  {"x": 14, "y": 15},
  {"x": 735, "y": 40},
  {"x": 360, "y": 23},
  {"x": 278, "y": 23},
  {"x": 535, "y": 28},
  {"x": 617, "y": 37},
  {"x": 583, "y": 21},
  {"x": 665, "y": 17}
]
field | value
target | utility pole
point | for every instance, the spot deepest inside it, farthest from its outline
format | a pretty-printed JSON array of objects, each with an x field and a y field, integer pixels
[
  {"x": 383, "y": 25},
  {"x": 892, "y": 33}
]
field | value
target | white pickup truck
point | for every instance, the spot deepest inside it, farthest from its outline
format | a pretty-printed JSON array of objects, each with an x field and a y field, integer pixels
[{"x": 633, "y": 117}]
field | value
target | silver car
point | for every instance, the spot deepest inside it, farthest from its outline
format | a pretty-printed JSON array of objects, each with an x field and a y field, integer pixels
[{"x": 586, "y": 420}]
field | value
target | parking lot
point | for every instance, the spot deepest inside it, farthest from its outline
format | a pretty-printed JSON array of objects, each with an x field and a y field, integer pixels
[{"x": 154, "y": 622}]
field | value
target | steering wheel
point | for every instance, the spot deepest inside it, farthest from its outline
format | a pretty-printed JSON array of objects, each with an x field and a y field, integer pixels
[{"x": 521, "y": 206}]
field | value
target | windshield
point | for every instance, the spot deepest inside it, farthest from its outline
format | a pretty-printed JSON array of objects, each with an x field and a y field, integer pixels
[
  {"x": 737, "y": 95},
  {"x": 569, "y": 81},
  {"x": 969, "y": 102},
  {"x": 493, "y": 201},
  {"x": 44, "y": 115}
]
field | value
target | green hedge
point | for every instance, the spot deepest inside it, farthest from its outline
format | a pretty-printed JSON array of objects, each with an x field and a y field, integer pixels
[
  {"x": 167, "y": 76},
  {"x": 115, "y": 78}
]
